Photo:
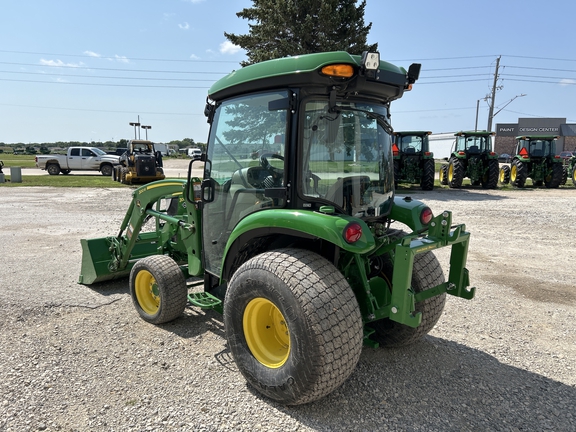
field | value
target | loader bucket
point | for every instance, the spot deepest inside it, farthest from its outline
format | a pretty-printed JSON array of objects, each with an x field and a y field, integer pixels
[{"x": 96, "y": 257}]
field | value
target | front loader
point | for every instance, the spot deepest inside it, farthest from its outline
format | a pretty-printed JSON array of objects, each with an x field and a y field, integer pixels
[{"x": 305, "y": 250}]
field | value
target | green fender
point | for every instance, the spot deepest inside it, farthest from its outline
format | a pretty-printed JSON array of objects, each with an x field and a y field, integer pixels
[
  {"x": 407, "y": 211},
  {"x": 329, "y": 227}
]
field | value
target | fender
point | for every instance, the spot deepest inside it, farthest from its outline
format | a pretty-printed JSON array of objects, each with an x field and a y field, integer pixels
[
  {"x": 306, "y": 224},
  {"x": 407, "y": 211}
]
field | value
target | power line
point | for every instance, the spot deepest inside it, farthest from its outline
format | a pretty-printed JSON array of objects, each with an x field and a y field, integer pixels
[
  {"x": 113, "y": 69},
  {"x": 98, "y": 110},
  {"x": 122, "y": 58},
  {"x": 104, "y": 77},
  {"x": 102, "y": 84}
]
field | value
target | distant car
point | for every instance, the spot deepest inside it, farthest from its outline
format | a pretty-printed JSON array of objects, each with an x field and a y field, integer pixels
[
  {"x": 195, "y": 153},
  {"x": 566, "y": 154},
  {"x": 504, "y": 158}
]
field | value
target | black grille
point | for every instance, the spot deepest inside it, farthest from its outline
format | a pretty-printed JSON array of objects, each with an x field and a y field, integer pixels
[{"x": 145, "y": 165}]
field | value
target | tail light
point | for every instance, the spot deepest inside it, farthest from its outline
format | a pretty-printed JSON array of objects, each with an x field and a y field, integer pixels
[
  {"x": 352, "y": 232},
  {"x": 426, "y": 216}
]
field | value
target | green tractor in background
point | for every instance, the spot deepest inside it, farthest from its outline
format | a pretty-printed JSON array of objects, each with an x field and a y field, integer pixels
[
  {"x": 569, "y": 170},
  {"x": 535, "y": 159},
  {"x": 305, "y": 250},
  {"x": 472, "y": 157},
  {"x": 413, "y": 160}
]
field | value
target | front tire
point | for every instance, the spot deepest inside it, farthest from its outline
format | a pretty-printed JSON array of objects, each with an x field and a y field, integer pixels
[
  {"x": 518, "y": 174},
  {"x": 158, "y": 289},
  {"x": 293, "y": 325},
  {"x": 505, "y": 175},
  {"x": 426, "y": 274},
  {"x": 455, "y": 173},
  {"x": 106, "y": 170},
  {"x": 443, "y": 175}
]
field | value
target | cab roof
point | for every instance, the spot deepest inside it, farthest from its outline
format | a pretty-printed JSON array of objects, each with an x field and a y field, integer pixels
[{"x": 304, "y": 70}]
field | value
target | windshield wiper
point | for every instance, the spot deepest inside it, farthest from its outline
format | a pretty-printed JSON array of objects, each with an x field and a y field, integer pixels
[{"x": 380, "y": 118}]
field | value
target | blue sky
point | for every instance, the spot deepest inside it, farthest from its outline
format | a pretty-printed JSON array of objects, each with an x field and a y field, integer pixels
[{"x": 75, "y": 70}]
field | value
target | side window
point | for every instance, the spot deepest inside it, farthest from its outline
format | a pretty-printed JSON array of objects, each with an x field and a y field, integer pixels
[
  {"x": 87, "y": 153},
  {"x": 75, "y": 152}
]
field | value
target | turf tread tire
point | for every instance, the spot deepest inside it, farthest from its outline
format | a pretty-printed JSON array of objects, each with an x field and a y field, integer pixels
[
  {"x": 171, "y": 284},
  {"x": 427, "y": 273},
  {"x": 322, "y": 315},
  {"x": 490, "y": 178}
]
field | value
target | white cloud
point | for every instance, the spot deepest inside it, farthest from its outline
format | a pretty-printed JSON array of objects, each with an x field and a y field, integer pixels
[
  {"x": 184, "y": 26},
  {"x": 194, "y": 57},
  {"x": 121, "y": 59},
  {"x": 565, "y": 82},
  {"x": 168, "y": 15},
  {"x": 193, "y": 1},
  {"x": 228, "y": 47},
  {"x": 59, "y": 63},
  {"x": 92, "y": 54}
]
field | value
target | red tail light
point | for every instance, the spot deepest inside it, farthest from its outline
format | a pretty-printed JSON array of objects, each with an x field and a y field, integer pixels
[
  {"x": 426, "y": 216},
  {"x": 352, "y": 232}
]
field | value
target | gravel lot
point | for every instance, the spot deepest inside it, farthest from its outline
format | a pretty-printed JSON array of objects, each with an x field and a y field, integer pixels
[{"x": 77, "y": 358}]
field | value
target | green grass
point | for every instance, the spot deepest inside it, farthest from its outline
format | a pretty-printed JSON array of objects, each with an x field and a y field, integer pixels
[
  {"x": 20, "y": 160},
  {"x": 64, "y": 181}
]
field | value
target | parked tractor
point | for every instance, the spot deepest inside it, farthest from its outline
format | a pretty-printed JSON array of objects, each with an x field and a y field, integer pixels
[
  {"x": 570, "y": 169},
  {"x": 535, "y": 159},
  {"x": 306, "y": 250},
  {"x": 472, "y": 157},
  {"x": 413, "y": 160},
  {"x": 139, "y": 164}
]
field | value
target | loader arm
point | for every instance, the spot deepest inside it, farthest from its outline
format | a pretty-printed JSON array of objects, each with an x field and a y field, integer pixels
[{"x": 113, "y": 257}]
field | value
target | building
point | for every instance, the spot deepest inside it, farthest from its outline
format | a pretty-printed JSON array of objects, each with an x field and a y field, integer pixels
[{"x": 507, "y": 132}]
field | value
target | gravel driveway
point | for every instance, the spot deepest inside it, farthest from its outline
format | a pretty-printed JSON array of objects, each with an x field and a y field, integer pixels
[{"x": 77, "y": 358}]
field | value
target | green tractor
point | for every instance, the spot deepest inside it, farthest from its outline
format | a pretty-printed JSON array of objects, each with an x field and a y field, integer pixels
[
  {"x": 296, "y": 248},
  {"x": 471, "y": 157},
  {"x": 413, "y": 160},
  {"x": 570, "y": 170},
  {"x": 535, "y": 159}
]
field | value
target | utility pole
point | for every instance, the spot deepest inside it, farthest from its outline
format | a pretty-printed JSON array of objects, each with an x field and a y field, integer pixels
[{"x": 493, "y": 97}]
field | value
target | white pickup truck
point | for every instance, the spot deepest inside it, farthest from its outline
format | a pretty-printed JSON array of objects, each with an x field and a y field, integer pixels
[{"x": 78, "y": 159}]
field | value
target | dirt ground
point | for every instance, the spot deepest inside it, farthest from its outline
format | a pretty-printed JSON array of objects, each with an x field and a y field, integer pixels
[{"x": 79, "y": 358}]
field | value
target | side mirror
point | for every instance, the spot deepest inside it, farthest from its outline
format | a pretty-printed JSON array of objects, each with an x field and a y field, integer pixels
[{"x": 414, "y": 72}]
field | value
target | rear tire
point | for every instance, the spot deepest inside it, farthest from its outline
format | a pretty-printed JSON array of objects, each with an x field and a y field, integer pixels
[
  {"x": 490, "y": 177},
  {"x": 554, "y": 179},
  {"x": 53, "y": 169},
  {"x": 564, "y": 176},
  {"x": 293, "y": 325},
  {"x": 427, "y": 273},
  {"x": 518, "y": 174},
  {"x": 505, "y": 175},
  {"x": 123, "y": 175},
  {"x": 455, "y": 173},
  {"x": 428, "y": 174},
  {"x": 574, "y": 175},
  {"x": 158, "y": 289}
]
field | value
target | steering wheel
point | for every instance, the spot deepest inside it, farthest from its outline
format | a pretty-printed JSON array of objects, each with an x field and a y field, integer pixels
[{"x": 276, "y": 173}]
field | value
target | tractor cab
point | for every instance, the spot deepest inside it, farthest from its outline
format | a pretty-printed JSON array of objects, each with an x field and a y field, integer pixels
[
  {"x": 530, "y": 147},
  {"x": 473, "y": 143},
  {"x": 413, "y": 160}
]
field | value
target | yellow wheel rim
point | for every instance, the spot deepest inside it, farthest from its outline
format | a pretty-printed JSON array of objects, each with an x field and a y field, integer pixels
[
  {"x": 574, "y": 176},
  {"x": 441, "y": 175},
  {"x": 450, "y": 172},
  {"x": 502, "y": 176},
  {"x": 513, "y": 172},
  {"x": 147, "y": 292},
  {"x": 266, "y": 332}
]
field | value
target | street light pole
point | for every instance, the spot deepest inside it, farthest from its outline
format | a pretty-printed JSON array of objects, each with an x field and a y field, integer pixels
[
  {"x": 135, "y": 124},
  {"x": 477, "y": 107},
  {"x": 146, "y": 128}
]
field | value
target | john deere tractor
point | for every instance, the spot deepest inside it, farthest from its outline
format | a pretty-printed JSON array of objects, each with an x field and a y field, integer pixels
[
  {"x": 139, "y": 164},
  {"x": 306, "y": 250},
  {"x": 413, "y": 160},
  {"x": 535, "y": 159},
  {"x": 472, "y": 157}
]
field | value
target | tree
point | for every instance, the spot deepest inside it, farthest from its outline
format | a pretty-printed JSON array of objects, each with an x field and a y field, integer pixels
[{"x": 293, "y": 27}]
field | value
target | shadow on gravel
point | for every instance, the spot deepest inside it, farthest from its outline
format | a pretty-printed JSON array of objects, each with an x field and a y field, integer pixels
[
  {"x": 453, "y": 195},
  {"x": 440, "y": 385}
]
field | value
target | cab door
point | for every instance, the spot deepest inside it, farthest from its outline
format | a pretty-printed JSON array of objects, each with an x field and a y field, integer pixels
[{"x": 245, "y": 156}]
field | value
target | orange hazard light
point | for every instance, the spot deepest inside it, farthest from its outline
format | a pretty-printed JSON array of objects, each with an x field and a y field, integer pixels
[
  {"x": 395, "y": 150},
  {"x": 524, "y": 152}
]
